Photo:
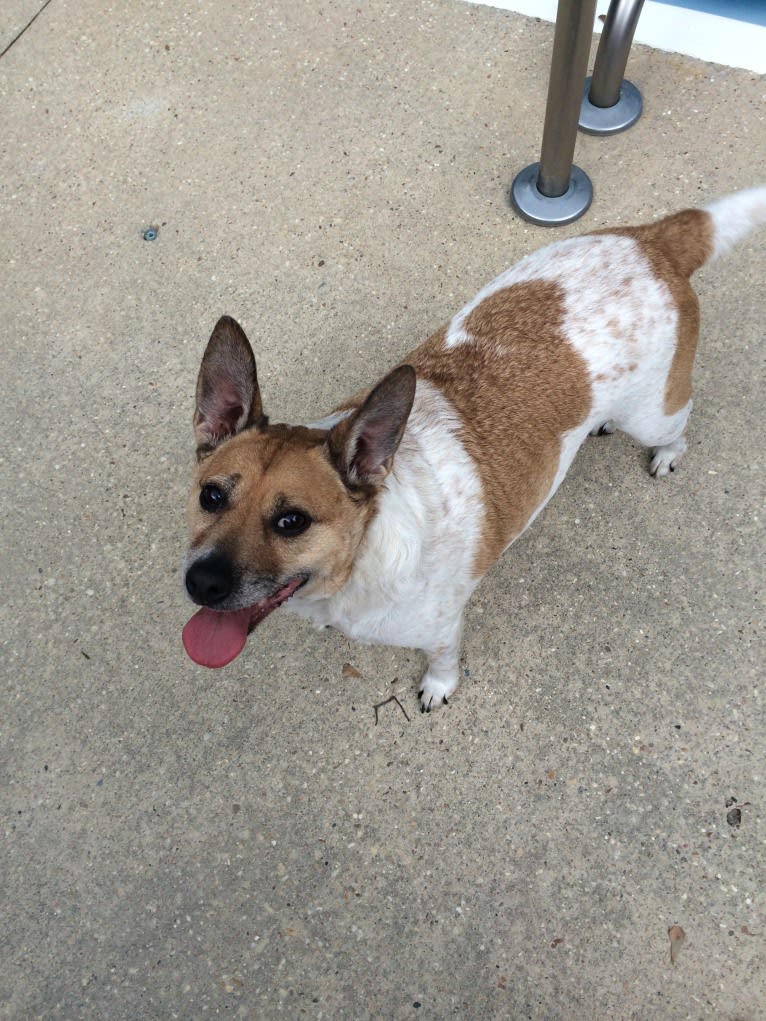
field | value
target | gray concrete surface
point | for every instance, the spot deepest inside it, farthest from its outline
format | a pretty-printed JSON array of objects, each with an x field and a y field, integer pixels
[{"x": 180, "y": 843}]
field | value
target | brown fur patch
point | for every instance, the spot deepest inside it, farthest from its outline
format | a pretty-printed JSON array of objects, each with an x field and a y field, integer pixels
[
  {"x": 675, "y": 247},
  {"x": 517, "y": 385}
]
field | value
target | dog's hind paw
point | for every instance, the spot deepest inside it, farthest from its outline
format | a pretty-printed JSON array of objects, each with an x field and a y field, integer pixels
[
  {"x": 666, "y": 459},
  {"x": 605, "y": 429}
]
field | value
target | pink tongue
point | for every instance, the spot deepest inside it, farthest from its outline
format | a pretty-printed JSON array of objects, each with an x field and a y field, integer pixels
[{"x": 215, "y": 639}]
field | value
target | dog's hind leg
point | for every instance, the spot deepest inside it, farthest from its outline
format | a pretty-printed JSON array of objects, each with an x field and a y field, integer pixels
[
  {"x": 667, "y": 457},
  {"x": 665, "y": 436}
]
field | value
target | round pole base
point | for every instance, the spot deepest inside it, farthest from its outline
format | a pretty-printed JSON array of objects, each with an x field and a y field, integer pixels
[
  {"x": 609, "y": 120},
  {"x": 529, "y": 201}
]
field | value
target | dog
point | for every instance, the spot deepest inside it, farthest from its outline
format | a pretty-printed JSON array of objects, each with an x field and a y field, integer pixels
[{"x": 382, "y": 518}]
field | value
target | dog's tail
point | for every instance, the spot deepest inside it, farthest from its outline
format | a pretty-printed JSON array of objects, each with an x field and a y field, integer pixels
[
  {"x": 734, "y": 217},
  {"x": 693, "y": 237}
]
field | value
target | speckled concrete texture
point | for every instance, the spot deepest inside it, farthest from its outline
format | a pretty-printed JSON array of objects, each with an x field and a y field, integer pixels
[{"x": 250, "y": 843}]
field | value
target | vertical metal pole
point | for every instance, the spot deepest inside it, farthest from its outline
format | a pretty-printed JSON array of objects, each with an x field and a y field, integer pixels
[
  {"x": 611, "y": 104},
  {"x": 554, "y": 191},
  {"x": 571, "y": 48},
  {"x": 613, "y": 51}
]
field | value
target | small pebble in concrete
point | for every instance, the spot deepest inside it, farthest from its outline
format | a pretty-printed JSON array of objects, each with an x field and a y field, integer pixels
[
  {"x": 677, "y": 938},
  {"x": 734, "y": 817}
]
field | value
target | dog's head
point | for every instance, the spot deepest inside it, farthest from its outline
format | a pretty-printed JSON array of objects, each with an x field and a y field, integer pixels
[{"x": 276, "y": 508}]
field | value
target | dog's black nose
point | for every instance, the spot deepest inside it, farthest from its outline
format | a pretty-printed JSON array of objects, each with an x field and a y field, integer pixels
[{"x": 210, "y": 580}]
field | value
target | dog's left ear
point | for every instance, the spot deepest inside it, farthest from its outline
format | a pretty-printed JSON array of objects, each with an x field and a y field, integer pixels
[
  {"x": 228, "y": 398},
  {"x": 362, "y": 447}
]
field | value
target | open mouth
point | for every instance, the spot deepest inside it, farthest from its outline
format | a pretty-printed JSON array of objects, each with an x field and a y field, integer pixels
[{"x": 214, "y": 638}]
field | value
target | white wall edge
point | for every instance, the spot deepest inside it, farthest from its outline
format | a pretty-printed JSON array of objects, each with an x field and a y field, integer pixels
[{"x": 675, "y": 29}]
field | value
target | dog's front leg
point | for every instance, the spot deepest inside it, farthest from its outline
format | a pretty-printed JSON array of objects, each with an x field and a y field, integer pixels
[{"x": 442, "y": 676}]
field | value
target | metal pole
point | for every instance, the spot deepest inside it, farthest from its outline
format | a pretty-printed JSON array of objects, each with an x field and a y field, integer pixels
[
  {"x": 611, "y": 104},
  {"x": 613, "y": 51},
  {"x": 554, "y": 191},
  {"x": 571, "y": 47}
]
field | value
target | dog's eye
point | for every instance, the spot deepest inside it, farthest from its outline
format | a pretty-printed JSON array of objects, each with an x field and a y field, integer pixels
[
  {"x": 212, "y": 498},
  {"x": 291, "y": 523}
]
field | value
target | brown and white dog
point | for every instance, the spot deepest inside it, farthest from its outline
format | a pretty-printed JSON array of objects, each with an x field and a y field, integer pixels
[{"x": 381, "y": 519}]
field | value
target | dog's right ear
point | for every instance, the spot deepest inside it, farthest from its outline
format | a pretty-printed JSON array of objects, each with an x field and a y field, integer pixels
[
  {"x": 228, "y": 398},
  {"x": 362, "y": 446}
]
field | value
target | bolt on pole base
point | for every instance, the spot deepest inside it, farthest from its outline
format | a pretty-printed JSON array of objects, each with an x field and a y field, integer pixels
[
  {"x": 529, "y": 201},
  {"x": 609, "y": 120}
]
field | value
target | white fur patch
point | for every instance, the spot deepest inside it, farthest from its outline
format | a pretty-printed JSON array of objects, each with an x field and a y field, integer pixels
[
  {"x": 330, "y": 420},
  {"x": 735, "y": 216}
]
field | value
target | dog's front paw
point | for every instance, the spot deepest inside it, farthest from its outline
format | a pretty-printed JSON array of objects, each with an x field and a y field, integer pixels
[{"x": 435, "y": 692}]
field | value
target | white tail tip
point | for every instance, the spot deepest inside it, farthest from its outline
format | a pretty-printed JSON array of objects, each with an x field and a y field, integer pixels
[{"x": 735, "y": 216}]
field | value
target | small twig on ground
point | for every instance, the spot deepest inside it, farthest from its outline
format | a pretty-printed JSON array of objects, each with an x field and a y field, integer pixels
[{"x": 391, "y": 698}]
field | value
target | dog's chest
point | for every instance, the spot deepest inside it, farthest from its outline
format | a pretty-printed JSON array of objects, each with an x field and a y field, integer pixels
[{"x": 416, "y": 566}]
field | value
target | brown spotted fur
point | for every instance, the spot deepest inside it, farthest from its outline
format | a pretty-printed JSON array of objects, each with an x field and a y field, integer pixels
[
  {"x": 676, "y": 247},
  {"x": 516, "y": 387}
]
